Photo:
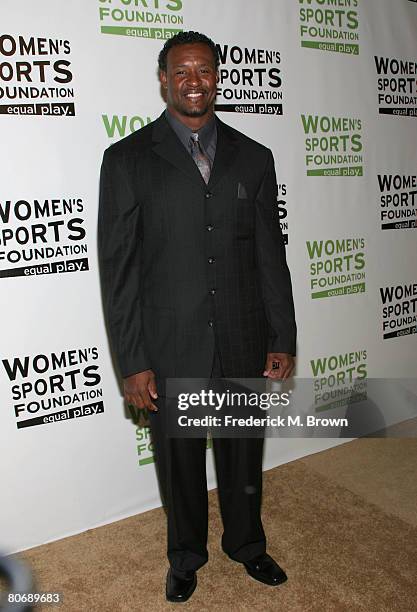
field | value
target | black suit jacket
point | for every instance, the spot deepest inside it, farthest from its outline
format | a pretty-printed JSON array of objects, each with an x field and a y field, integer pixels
[{"x": 186, "y": 266}]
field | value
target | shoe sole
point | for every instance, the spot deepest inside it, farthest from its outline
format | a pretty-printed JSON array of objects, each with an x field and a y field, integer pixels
[{"x": 258, "y": 579}]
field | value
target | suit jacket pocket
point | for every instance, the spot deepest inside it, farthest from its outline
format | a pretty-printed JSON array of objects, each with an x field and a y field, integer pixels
[{"x": 241, "y": 191}]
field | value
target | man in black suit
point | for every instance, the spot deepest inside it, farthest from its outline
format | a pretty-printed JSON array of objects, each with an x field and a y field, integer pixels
[{"x": 195, "y": 284}]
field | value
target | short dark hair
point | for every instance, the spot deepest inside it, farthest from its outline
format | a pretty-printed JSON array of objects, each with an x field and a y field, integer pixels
[{"x": 186, "y": 38}]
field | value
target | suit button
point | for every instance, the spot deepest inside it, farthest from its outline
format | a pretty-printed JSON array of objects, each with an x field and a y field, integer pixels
[
  {"x": 209, "y": 228},
  {"x": 211, "y": 260},
  {"x": 211, "y": 323},
  {"x": 208, "y": 195},
  {"x": 212, "y": 291}
]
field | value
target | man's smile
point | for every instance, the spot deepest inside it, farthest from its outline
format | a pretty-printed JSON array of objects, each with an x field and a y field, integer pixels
[{"x": 196, "y": 95}]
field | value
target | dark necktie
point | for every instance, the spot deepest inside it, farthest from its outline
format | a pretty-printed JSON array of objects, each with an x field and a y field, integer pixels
[{"x": 200, "y": 158}]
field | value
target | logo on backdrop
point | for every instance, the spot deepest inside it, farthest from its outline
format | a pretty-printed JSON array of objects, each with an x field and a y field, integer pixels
[
  {"x": 337, "y": 267},
  {"x": 283, "y": 210},
  {"x": 35, "y": 76},
  {"x": 51, "y": 387},
  {"x": 330, "y": 25},
  {"x": 333, "y": 146},
  {"x": 144, "y": 446},
  {"x": 45, "y": 236},
  {"x": 339, "y": 380},
  {"x": 159, "y": 19},
  {"x": 118, "y": 126},
  {"x": 250, "y": 81},
  {"x": 397, "y": 86},
  {"x": 399, "y": 312},
  {"x": 397, "y": 200}
]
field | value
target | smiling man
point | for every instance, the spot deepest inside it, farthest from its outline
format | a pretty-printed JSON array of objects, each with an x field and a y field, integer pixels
[{"x": 196, "y": 285}]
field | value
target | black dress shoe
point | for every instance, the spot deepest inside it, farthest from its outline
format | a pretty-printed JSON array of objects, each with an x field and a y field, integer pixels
[
  {"x": 180, "y": 589},
  {"x": 266, "y": 570}
]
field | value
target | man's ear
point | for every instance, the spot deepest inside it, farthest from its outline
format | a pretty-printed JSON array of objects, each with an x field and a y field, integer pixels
[{"x": 163, "y": 79}]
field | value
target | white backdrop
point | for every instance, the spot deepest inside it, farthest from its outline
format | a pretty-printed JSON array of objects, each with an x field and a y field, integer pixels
[{"x": 304, "y": 65}]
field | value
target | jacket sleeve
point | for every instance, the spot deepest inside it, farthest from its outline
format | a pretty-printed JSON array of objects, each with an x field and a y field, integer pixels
[
  {"x": 119, "y": 253},
  {"x": 272, "y": 266}
]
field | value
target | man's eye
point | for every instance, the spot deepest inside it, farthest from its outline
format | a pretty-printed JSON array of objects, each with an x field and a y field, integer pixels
[{"x": 180, "y": 72}]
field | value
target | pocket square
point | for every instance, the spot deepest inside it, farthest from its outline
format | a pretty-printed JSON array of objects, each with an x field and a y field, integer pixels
[{"x": 241, "y": 191}]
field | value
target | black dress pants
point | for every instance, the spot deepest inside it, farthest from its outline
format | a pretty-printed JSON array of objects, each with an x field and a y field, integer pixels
[{"x": 181, "y": 468}]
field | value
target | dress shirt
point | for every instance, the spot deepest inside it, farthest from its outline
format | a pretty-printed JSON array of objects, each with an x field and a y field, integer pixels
[{"x": 207, "y": 135}]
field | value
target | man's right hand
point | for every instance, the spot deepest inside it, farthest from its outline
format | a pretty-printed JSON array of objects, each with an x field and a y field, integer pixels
[{"x": 140, "y": 388}]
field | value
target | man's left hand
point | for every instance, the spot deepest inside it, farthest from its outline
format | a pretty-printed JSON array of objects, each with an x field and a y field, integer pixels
[{"x": 279, "y": 365}]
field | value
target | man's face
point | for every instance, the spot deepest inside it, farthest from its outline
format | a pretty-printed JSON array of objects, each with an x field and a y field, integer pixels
[{"x": 190, "y": 80}]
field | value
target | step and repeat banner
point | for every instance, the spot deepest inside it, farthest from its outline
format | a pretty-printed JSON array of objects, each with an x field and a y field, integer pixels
[{"x": 329, "y": 85}]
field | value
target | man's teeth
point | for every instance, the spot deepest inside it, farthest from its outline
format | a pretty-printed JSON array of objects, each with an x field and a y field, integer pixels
[{"x": 193, "y": 95}]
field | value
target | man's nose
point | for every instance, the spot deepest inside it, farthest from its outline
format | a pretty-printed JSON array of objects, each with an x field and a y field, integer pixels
[{"x": 194, "y": 78}]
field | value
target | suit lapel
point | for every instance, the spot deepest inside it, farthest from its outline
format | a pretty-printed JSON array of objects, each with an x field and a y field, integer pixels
[
  {"x": 167, "y": 145},
  {"x": 226, "y": 151}
]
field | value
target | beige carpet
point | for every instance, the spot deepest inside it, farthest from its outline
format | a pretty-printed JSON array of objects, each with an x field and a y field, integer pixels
[{"x": 343, "y": 523}]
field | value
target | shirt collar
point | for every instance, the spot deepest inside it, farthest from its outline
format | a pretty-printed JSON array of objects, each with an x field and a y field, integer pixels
[{"x": 206, "y": 134}]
